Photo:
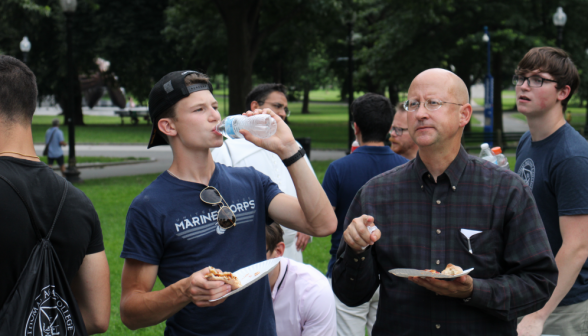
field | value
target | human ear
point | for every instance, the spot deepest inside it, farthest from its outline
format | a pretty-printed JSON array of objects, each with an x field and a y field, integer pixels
[
  {"x": 564, "y": 93},
  {"x": 465, "y": 114},
  {"x": 254, "y": 106},
  {"x": 280, "y": 248},
  {"x": 167, "y": 127}
]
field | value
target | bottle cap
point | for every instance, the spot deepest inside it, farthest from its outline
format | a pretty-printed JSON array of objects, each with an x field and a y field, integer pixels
[
  {"x": 496, "y": 150},
  {"x": 484, "y": 145}
]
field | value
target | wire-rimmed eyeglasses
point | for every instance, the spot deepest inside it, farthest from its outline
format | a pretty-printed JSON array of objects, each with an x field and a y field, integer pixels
[
  {"x": 430, "y": 104},
  {"x": 397, "y": 130}
]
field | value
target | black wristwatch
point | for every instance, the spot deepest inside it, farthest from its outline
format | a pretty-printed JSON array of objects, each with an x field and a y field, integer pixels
[{"x": 299, "y": 155}]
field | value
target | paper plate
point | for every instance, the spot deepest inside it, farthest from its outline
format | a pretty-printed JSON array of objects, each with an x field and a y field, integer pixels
[
  {"x": 408, "y": 272},
  {"x": 250, "y": 274}
]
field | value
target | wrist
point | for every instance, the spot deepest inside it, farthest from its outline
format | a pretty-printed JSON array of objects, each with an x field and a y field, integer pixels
[
  {"x": 182, "y": 290},
  {"x": 288, "y": 151}
]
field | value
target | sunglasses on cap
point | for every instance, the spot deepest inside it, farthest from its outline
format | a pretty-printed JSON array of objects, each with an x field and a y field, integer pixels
[{"x": 226, "y": 218}]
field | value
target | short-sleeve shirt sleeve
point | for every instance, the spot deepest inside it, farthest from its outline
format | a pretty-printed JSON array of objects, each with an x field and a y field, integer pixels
[
  {"x": 143, "y": 240},
  {"x": 271, "y": 190},
  {"x": 570, "y": 183}
]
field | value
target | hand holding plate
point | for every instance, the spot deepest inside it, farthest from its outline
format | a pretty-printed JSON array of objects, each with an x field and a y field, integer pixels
[
  {"x": 201, "y": 290},
  {"x": 461, "y": 287}
]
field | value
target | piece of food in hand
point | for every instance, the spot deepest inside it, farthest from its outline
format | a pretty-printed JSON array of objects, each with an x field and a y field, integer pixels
[
  {"x": 227, "y": 277},
  {"x": 452, "y": 269}
]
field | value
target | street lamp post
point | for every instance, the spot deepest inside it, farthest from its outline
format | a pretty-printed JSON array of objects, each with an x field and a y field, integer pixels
[
  {"x": 25, "y": 47},
  {"x": 72, "y": 173},
  {"x": 488, "y": 95},
  {"x": 349, "y": 20},
  {"x": 559, "y": 20}
]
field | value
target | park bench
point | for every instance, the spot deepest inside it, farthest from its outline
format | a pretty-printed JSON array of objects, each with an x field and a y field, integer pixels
[{"x": 134, "y": 114}]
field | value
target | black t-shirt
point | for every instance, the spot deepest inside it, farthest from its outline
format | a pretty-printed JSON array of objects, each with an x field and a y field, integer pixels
[{"x": 76, "y": 233}]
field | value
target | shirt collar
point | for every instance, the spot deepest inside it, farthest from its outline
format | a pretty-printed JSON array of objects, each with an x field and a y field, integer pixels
[
  {"x": 373, "y": 150},
  {"x": 453, "y": 172},
  {"x": 283, "y": 267}
]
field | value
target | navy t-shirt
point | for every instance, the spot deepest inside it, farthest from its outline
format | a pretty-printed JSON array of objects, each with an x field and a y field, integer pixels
[
  {"x": 346, "y": 176},
  {"x": 169, "y": 226},
  {"x": 556, "y": 169}
]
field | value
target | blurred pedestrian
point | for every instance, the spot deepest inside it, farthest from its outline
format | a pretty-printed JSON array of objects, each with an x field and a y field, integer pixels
[{"x": 54, "y": 141}]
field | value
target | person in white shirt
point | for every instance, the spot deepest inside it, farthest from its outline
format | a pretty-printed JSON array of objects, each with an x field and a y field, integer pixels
[
  {"x": 304, "y": 303},
  {"x": 242, "y": 153}
]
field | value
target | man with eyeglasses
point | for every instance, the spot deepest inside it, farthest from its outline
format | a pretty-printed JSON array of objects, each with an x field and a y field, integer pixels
[
  {"x": 402, "y": 143},
  {"x": 552, "y": 158},
  {"x": 200, "y": 213},
  {"x": 443, "y": 207},
  {"x": 304, "y": 303},
  {"x": 372, "y": 118},
  {"x": 242, "y": 153}
]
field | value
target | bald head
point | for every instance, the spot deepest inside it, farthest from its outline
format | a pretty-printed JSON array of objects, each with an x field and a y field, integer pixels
[{"x": 446, "y": 81}]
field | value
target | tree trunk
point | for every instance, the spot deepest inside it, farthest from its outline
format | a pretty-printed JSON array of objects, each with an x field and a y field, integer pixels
[
  {"x": 497, "y": 71},
  {"x": 306, "y": 98},
  {"x": 241, "y": 19},
  {"x": 393, "y": 93}
]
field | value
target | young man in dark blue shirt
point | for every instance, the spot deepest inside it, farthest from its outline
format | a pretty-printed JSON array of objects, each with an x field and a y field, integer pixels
[
  {"x": 176, "y": 228},
  {"x": 372, "y": 119},
  {"x": 553, "y": 159}
]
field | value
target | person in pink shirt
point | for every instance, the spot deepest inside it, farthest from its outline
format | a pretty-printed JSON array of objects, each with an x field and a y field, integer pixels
[{"x": 304, "y": 303}]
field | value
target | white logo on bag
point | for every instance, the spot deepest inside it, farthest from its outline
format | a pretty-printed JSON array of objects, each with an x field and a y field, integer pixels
[
  {"x": 527, "y": 172},
  {"x": 50, "y": 315}
]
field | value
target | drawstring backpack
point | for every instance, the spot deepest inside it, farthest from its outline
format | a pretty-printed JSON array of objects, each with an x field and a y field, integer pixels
[{"x": 41, "y": 303}]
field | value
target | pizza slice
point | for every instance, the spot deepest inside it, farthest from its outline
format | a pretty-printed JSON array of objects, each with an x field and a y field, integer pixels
[{"x": 227, "y": 277}]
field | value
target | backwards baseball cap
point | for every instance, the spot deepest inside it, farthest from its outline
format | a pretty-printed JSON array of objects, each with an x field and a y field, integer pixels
[{"x": 165, "y": 94}]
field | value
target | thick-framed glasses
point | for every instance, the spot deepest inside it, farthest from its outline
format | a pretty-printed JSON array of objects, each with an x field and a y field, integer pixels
[
  {"x": 226, "y": 217},
  {"x": 278, "y": 106},
  {"x": 397, "y": 130},
  {"x": 533, "y": 81},
  {"x": 430, "y": 104}
]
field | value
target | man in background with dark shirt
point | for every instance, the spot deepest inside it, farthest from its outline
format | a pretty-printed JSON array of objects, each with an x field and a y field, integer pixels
[
  {"x": 445, "y": 206},
  {"x": 77, "y": 236},
  {"x": 553, "y": 159},
  {"x": 372, "y": 117}
]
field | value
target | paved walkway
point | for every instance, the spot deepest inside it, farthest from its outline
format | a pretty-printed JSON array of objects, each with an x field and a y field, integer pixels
[{"x": 162, "y": 155}]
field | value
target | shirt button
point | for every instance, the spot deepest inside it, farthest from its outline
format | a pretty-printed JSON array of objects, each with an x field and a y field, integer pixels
[
  {"x": 429, "y": 175},
  {"x": 438, "y": 202},
  {"x": 355, "y": 259},
  {"x": 437, "y": 262},
  {"x": 422, "y": 187},
  {"x": 438, "y": 326},
  {"x": 362, "y": 258},
  {"x": 351, "y": 279},
  {"x": 453, "y": 188},
  {"x": 438, "y": 231}
]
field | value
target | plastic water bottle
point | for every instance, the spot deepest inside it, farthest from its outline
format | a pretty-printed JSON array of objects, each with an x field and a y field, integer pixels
[
  {"x": 502, "y": 160},
  {"x": 261, "y": 125},
  {"x": 354, "y": 145},
  {"x": 486, "y": 153}
]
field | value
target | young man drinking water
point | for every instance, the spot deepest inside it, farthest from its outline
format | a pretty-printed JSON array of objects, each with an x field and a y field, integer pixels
[{"x": 199, "y": 214}]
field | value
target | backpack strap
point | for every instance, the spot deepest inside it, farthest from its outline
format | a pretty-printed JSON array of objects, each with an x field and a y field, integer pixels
[
  {"x": 66, "y": 185},
  {"x": 36, "y": 227}
]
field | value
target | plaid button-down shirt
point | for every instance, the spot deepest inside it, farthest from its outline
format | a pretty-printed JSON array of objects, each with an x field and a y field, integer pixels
[{"x": 421, "y": 221}]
